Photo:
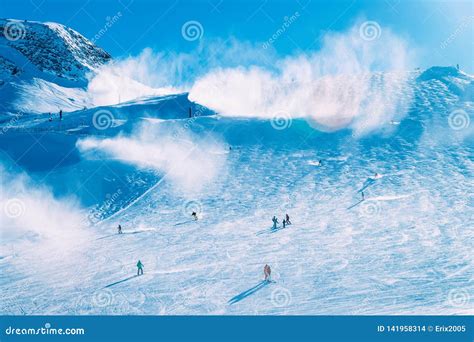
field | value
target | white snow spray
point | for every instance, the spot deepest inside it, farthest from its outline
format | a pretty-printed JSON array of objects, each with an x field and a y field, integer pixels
[
  {"x": 350, "y": 82},
  {"x": 188, "y": 161},
  {"x": 30, "y": 209},
  {"x": 38, "y": 227},
  {"x": 161, "y": 73}
]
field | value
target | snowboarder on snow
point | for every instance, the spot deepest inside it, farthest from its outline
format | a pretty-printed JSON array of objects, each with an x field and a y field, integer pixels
[
  {"x": 119, "y": 228},
  {"x": 287, "y": 218},
  {"x": 140, "y": 268},
  {"x": 275, "y": 221},
  {"x": 267, "y": 271},
  {"x": 194, "y": 215}
]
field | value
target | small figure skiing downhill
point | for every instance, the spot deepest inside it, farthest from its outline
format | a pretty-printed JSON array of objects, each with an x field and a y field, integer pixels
[
  {"x": 119, "y": 228},
  {"x": 286, "y": 221},
  {"x": 267, "y": 271},
  {"x": 370, "y": 181},
  {"x": 376, "y": 176},
  {"x": 140, "y": 268},
  {"x": 275, "y": 222}
]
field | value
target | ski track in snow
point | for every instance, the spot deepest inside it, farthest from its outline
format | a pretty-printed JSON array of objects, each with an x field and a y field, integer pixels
[
  {"x": 403, "y": 250},
  {"x": 329, "y": 261}
]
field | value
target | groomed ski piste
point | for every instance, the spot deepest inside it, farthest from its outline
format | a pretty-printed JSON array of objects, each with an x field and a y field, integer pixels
[{"x": 406, "y": 248}]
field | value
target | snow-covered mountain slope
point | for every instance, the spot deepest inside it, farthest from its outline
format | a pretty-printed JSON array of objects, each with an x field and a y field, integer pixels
[
  {"x": 39, "y": 61},
  {"x": 52, "y": 48},
  {"x": 405, "y": 249}
]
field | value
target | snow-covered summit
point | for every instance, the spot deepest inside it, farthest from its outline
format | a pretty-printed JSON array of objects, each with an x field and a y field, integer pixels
[
  {"x": 456, "y": 81},
  {"x": 52, "y": 48},
  {"x": 44, "y": 67}
]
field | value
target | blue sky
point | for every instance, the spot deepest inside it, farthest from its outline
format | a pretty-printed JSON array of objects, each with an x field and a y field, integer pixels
[{"x": 441, "y": 31}]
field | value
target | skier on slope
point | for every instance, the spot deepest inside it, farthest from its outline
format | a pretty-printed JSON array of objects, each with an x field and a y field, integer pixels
[
  {"x": 376, "y": 176},
  {"x": 284, "y": 223},
  {"x": 267, "y": 271},
  {"x": 363, "y": 196},
  {"x": 370, "y": 180},
  {"x": 60, "y": 114},
  {"x": 140, "y": 268},
  {"x": 194, "y": 215},
  {"x": 275, "y": 221},
  {"x": 119, "y": 228},
  {"x": 287, "y": 219}
]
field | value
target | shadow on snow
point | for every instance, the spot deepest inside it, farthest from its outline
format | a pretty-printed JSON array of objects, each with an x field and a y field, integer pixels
[
  {"x": 355, "y": 205},
  {"x": 249, "y": 292},
  {"x": 271, "y": 230},
  {"x": 121, "y": 281},
  {"x": 126, "y": 233},
  {"x": 184, "y": 222}
]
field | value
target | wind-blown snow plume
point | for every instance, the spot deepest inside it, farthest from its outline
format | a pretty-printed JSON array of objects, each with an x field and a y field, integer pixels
[
  {"x": 159, "y": 73},
  {"x": 350, "y": 82},
  {"x": 126, "y": 80},
  {"x": 188, "y": 161},
  {"x": 31, "y": 214}
]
